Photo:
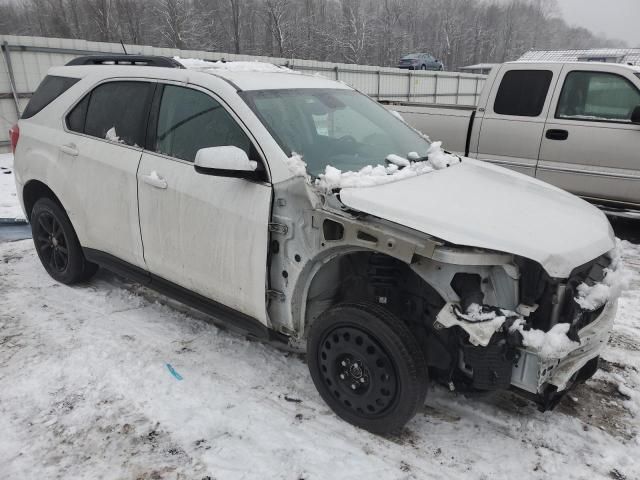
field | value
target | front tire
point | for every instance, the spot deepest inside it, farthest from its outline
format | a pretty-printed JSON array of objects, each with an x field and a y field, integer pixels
[
  {"x": 57, "y": 244},
  {"x": 367, "y": 366}
]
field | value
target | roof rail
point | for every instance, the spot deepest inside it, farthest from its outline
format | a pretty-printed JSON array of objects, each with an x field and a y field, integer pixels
[{"x": 133, "y": 60}]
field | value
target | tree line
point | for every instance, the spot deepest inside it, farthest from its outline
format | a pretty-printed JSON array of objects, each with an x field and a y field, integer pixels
[{"x": 375, "y": 32}]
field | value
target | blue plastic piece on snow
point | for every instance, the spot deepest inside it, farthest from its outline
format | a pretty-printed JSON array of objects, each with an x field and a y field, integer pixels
[{"x": 173, "y": 372}]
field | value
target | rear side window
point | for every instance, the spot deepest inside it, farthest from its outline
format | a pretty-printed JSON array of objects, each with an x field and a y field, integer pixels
[
  {"x": 190, "y": 120},
  {"x": 51, "y": 88},
  {"x": 523, "y": 92},
  {"x": 117, "y": 111}
]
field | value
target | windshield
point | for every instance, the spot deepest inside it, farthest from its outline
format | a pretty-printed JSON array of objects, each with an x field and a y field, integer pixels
[
  {"x": 341, "y": 128},
  {"x": 411, "y": 56}
]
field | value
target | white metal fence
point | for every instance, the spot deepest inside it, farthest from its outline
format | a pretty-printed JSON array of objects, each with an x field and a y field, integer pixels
[{"x": 25, "y": 61}]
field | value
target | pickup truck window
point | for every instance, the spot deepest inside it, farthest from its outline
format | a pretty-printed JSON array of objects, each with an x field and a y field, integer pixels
[
  {"x": 190, "y": 120},
  {"x": 523, "y": 92},
  {"x": 597, "y": 96},
  {"x": 341, "y": 128}
]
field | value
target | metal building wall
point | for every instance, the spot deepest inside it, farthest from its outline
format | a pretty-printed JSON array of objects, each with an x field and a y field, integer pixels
[{"x": 26, "y": 60}]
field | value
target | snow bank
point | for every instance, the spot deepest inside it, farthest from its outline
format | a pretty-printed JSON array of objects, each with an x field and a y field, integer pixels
[
  {"x": 617, "y": 277},
  {"x": 399, "y": 169},
  {"x": 204, "y": 65}
]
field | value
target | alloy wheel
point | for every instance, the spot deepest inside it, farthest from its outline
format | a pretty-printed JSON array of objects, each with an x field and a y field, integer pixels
[{"x": 51, "y": 242}]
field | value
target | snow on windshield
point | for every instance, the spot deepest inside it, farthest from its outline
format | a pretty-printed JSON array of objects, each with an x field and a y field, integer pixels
[
  {"x": 197, "y": 64},
  {"x": 398, "y": 168}
]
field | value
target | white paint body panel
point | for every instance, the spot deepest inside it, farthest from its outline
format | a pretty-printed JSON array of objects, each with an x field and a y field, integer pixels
[
  {"x": 206, "y": 233},
  {"x": 481, "y": 205}
]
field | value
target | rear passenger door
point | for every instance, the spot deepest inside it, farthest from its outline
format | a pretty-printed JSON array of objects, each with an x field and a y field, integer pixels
[
  {"x": 101, "y": 150},
  {"x": 590, "y": 146},
  {"x": 515, "y": 114},
  {"x": 205, "y": 233}
]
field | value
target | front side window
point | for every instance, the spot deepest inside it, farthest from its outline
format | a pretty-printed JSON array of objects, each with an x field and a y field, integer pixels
[
  {"x": 597, "y": 96},
  {"x": 341, "y": 128},
  {"x": 115, "y": 111},
  {"x": 190, "y": 120},
  {"x": 523, "y": 93}
]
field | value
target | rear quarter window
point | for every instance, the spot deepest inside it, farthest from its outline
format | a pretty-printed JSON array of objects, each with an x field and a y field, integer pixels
[
  {"x": 523, "y": 93},
  {"x": 51, "y": 88}
]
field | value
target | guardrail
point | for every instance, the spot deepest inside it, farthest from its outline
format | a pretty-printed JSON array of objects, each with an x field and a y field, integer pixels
[{"x": 25, "y": 61}]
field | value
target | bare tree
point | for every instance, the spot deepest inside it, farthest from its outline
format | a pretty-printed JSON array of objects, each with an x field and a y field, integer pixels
[
  {"x": 358, "y": 31},
  {"x": 275, "y": 14},
  {"x": 177, "y": 22}
]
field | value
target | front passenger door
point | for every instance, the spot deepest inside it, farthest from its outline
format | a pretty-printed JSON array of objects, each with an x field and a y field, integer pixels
[{"x": 205, "y": 233}]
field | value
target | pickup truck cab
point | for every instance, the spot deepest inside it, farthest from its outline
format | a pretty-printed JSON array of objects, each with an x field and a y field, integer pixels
[
  {"x": 300, "y": 211},
  {"x": 574, "y": 125}
]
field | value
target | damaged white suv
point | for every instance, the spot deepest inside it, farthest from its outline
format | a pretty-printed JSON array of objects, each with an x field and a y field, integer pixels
[{"x": 299, "y": 210}]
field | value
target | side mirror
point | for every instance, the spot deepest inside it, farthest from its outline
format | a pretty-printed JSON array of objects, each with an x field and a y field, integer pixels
[
  {"x": 635, "y": 115},
  {"x": 227, "y": 161}
]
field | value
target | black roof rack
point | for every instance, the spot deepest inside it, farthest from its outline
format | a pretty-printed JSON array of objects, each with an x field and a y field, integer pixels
[{"x": 133, "y": 60}]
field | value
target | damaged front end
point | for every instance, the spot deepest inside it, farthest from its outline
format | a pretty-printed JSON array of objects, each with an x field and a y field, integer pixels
[{"x": 546, "y": 336}]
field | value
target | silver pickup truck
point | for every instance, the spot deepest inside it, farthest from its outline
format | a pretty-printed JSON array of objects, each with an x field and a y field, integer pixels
[{"x": 574, "y": 125}]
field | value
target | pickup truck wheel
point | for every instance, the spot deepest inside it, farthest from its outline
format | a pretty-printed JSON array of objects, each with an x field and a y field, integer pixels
[
  {"x": 57, "y": 244},
  {"x": 367, "y": 366}
]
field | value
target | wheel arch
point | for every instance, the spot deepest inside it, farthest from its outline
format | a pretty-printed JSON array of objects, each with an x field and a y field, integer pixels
[
  {"x": 323, "y": 285},
  {"x": 33, "y": 191}
]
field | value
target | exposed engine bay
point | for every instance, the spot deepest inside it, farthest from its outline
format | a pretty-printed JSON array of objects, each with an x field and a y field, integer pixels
[{"x": 469, "y": 343}]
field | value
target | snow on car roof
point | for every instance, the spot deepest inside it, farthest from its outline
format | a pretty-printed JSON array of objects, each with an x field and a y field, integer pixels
[
  {"x": 243, "y": 74},
  {"x": 634, "y": 68}
]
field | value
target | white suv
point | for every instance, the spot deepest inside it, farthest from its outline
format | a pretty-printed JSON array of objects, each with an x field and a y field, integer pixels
[{"x": 247, "y": 191}]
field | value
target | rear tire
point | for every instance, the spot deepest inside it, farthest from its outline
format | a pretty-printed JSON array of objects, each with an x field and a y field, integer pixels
[
  {"x": 367, "y": 366},
  {"x": 423, "y": 67},
  {"x": 57, "y": 244}
]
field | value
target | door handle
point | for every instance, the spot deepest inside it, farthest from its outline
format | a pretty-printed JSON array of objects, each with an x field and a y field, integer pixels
[
  {"x": 555, "y": 134},
  {"x": 70, "y": 149},
  {"x": 155, "y": 180}
]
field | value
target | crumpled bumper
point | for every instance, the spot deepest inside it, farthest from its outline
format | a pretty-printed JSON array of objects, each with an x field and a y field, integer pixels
[{"x": 547, "y": 378}]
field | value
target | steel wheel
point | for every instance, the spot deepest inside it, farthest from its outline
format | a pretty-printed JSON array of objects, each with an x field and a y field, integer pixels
[
  {"x": 367, "y": 366},
  {"x": 358, "y": 370},
  {"x": 51, "y": 242}
]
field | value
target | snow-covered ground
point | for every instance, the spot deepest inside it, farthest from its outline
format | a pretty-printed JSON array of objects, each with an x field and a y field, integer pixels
[
  {"x": 87, "y": 393},
  {"x": 9, "y": 207}
]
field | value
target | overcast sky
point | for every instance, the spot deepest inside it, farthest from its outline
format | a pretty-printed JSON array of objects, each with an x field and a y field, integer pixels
[{"x": 614, "y": 18}]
